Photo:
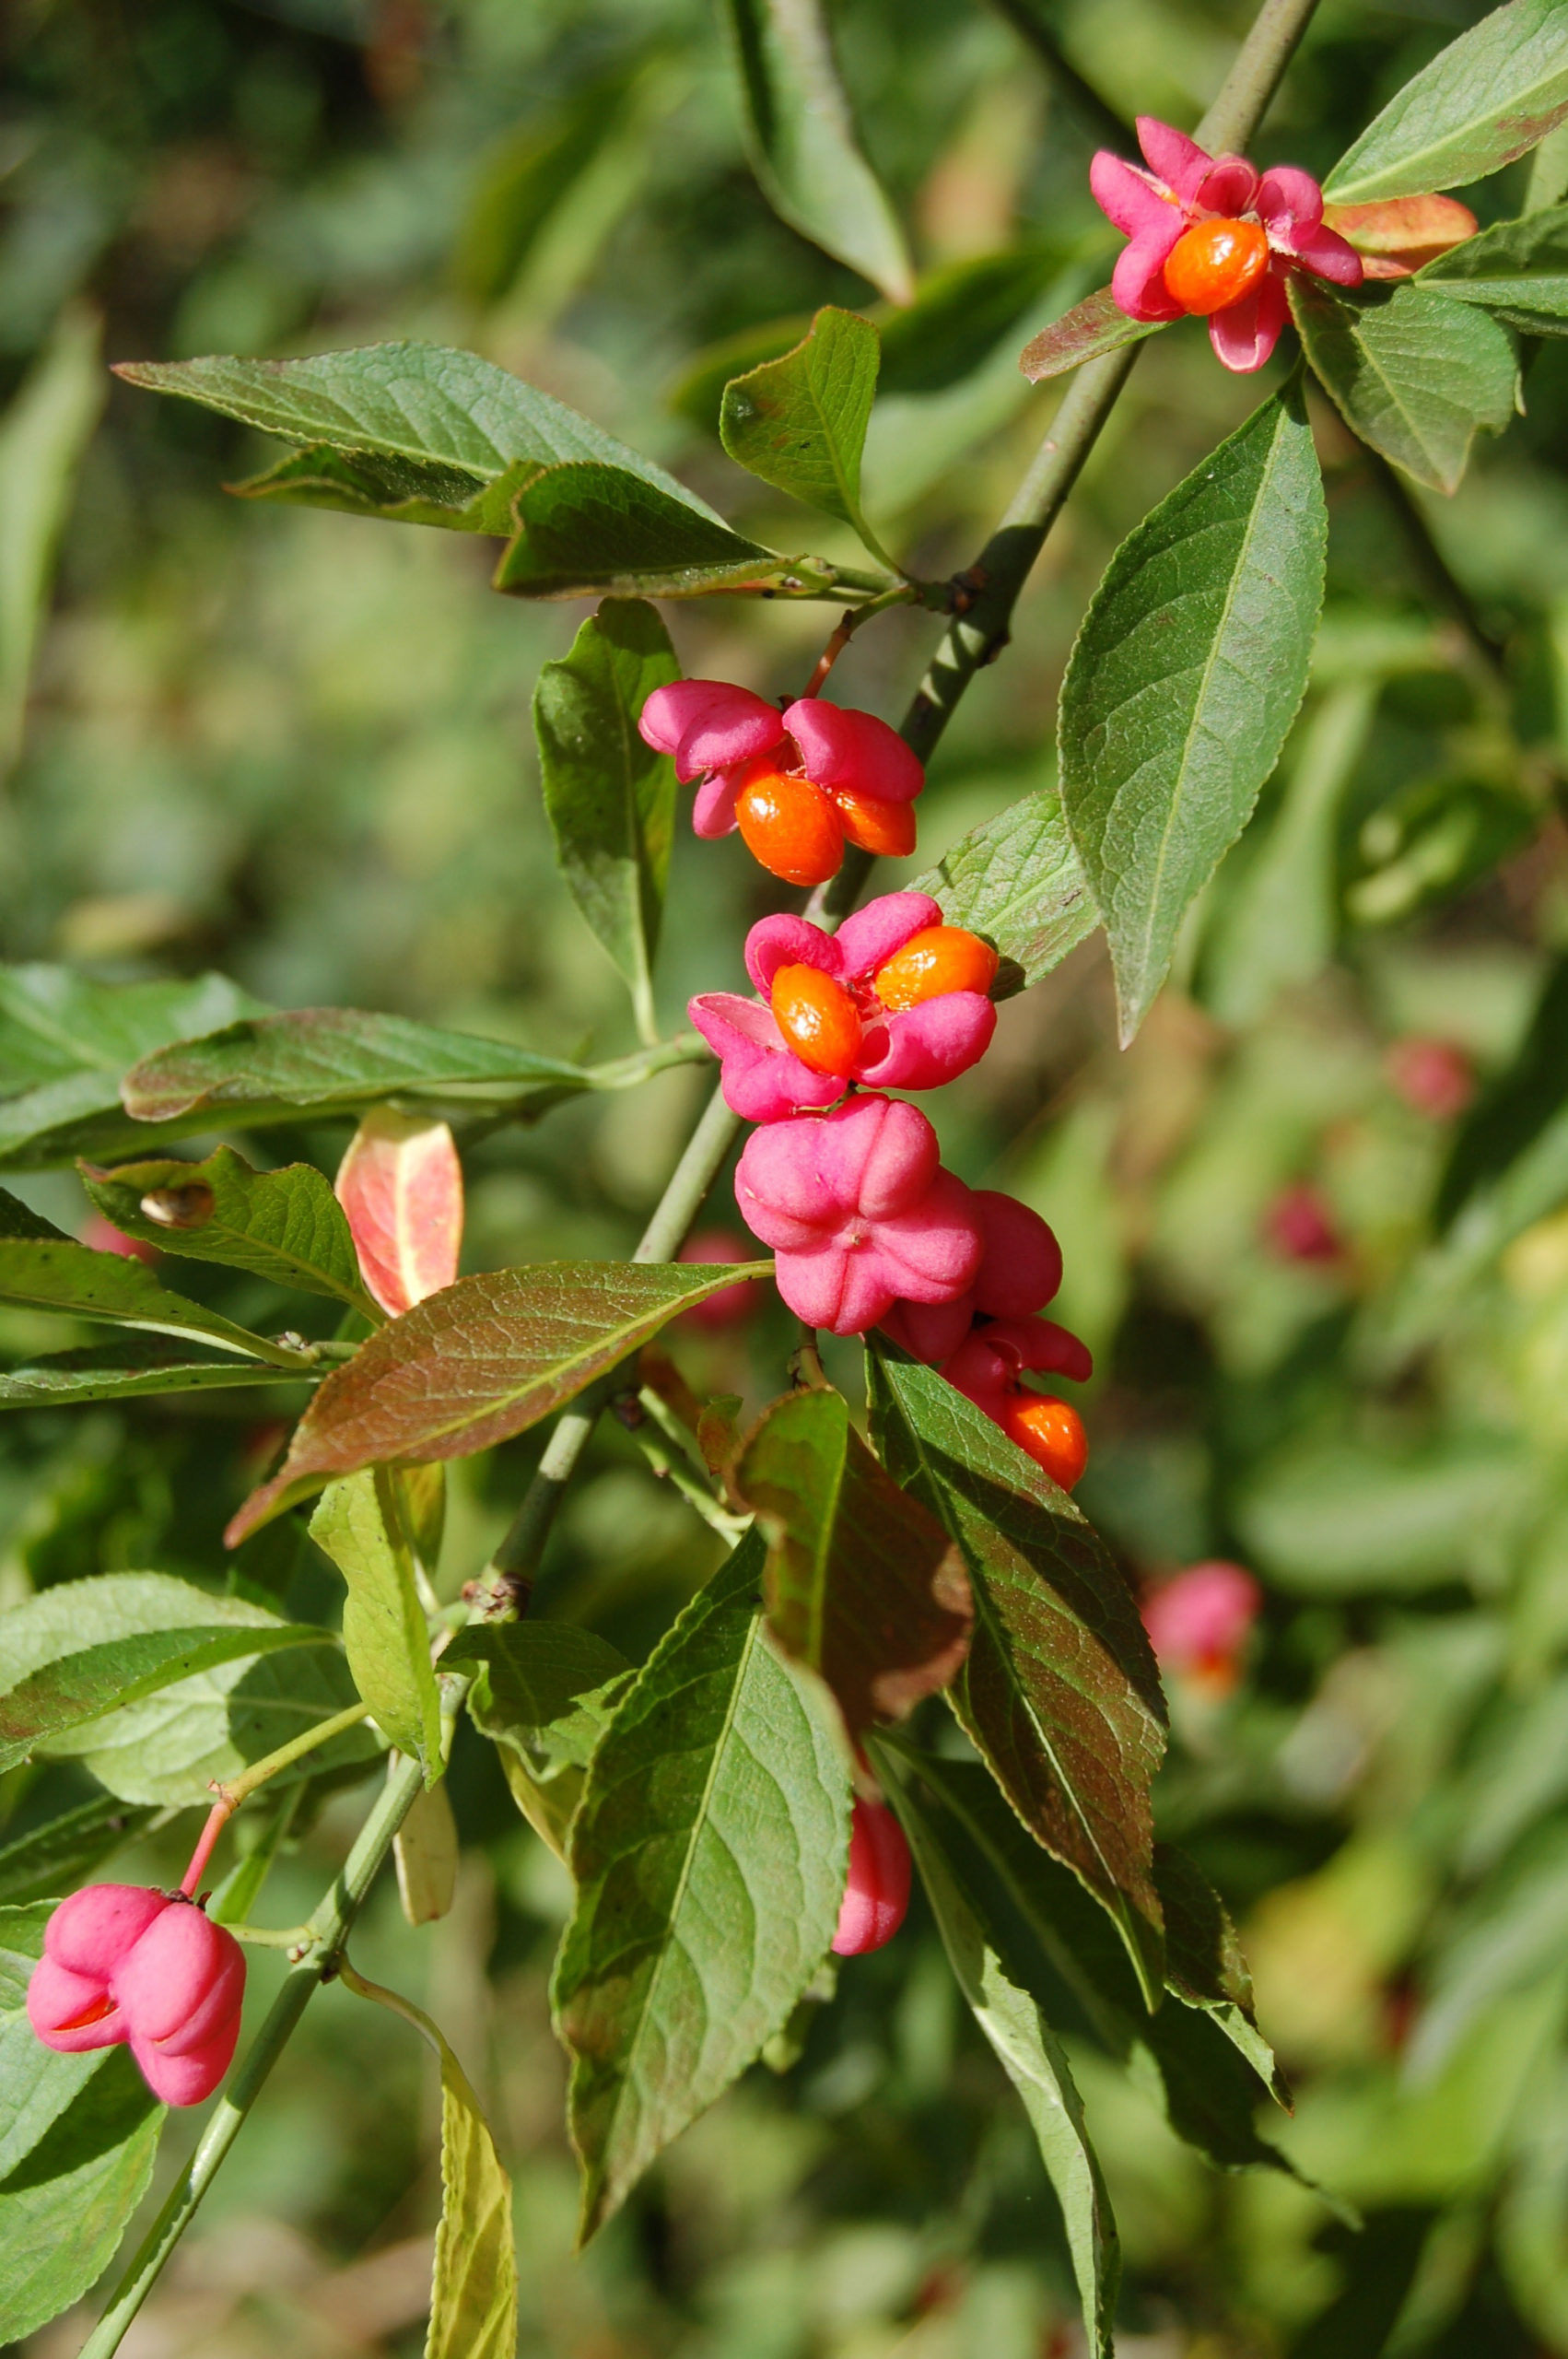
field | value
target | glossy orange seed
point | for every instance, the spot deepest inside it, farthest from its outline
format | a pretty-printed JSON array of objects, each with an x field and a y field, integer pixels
[
  {"x": 817, "y": 1017},
  {"x": 1052, "y": 1433},
  {"x": 1216, "y": 263},
  {"x": 791, "y": 826},
  {"x": 939, "y": 958},
  {"x": 885, "y": 828}
]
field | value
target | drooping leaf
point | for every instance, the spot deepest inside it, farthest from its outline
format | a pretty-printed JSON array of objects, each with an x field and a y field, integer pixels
[
  {"x": 136, "y": 1367},
  {"x": 64, "y": 1042},
  {"x": 447, "y": 428},
  {"x": 1490, "y": 95},
  {"x": 1060, "y": 1691},
  {"x": 400, "y": 1185},
  {"x": 802, "y": 143},
  {"x": 609, "y": 797},
  {"x": 998, "y": 1987},
  {"x": 591, "y": 531},
  {"x": 1184, "y": 678},
  {"x": 425, "y": 1854},
  {"x": 385, "y": 1638},
  {"x": 1415, "y": 375},
  {"x": 55, "y": 1274},
  {"x": 1017, "y": 880},
  {"x": 709, "y": 1851},
  {"x": 328, "y": 1060},
  {"x": 483, "y": 1360},
  {"x": 863, "y": 1584},
  {"x": 42, "y": 435},
  {"x": 473, "y": 2285},
  {"x": 543, "y": 1694},
  {"x": 1097, "y": 325},
  {"x": 1516, "y": 270},
  {"x": 65, "y": 2206},
  {"x": 285, "y": 1226},
  {"x": 800, "y": 421},
  {"x": 64, "y": 1852}
]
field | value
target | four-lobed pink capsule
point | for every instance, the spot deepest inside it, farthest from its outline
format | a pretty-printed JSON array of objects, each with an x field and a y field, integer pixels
[{"x": 149, "y": 1970}]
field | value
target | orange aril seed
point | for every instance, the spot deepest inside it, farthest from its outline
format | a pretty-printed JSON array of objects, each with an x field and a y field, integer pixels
[
  {"x": 1052, "y": 1433},
  {"x": 791, "y": 826},
  {"x": 817, "y": 1017},
  {"x": 1215, "y": 263},
  {"x": 876, "y": 825},
  {"x": 939, "y": 958}
]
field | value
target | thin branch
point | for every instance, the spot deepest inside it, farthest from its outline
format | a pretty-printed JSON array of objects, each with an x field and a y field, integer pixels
[
  {"x": 1099, "y": 118},
  {"x": 1435, "y": 574}
]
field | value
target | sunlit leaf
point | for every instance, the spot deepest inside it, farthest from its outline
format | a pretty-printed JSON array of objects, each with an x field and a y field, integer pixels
[
  {"x": 1490, "y": 95},
  {"x": 65, "y": 2206},
  {"x": 400, "y": 1185},
  {"x": 1017, "y": 881},
  {"x": 1097, "y": 325},
  {"x": 1516, "y": 270},
  {"x": 800, "y": 421},
  {"x": 55, "y": 1274},
  {"x": 385, "y": 1638},
  {"x": 473, "y": 2286},
  {"x": 285, "y": 1226}
]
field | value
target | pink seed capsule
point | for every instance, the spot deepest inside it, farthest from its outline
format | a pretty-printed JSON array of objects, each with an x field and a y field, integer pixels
[
  {"x": 877, "y": 1894},
  {"x": 123, "y": 1966}
]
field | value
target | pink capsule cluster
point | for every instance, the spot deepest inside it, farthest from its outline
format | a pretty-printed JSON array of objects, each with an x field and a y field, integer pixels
[{"x": 126, "y": 1967}]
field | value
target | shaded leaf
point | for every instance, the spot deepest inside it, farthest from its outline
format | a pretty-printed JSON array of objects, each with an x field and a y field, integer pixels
[
  {"x": 960, "y": 315},
  {"x": 1186, "y": 676},
  {"x": 1518, "y": 270},
  {"x": 1097, "y": 325},
  {"x": 425, "y": 1853},
  {"x": 482, "y": 1360},
  {"x": 385, "y": 1638},
  {"x": 55, "y": 1274},
  {"x": 863, "y": 1585},
  {"x": 1007, "y": 2007},
  {"x": 64, "y": 1042},
  {"x": 117, "y": 1371},
  {"x": 64, "y": 1852},
  {"x": 543, "y": 1694},
  {"x": 327, "y": 1060},
  {"x": 802, "y": 143},
  {"x": 42, "y": 437},
  {"x": 400, "y": 1188},
  {"x": 451, "y": 423},
  {"x": 65, "y": 2207},
  {"x": 1416, "y": 376},
  {"x": 800, "y": 421},
  {"x": 525, "y": 176},
  {"x": 709, "y": 1851},
  {"x": 610, "y": 798},
  {"x": 285, "y": 1226},
  {"x": 1490, "y": 95},
  {"x": 1017, "y": 880},
  {"x": 1059, "y": 1692},
  {"x": 591, "y": 531}
]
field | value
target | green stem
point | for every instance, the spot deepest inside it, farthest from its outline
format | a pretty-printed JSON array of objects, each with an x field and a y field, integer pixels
[{"x": 1101, "y": 120}]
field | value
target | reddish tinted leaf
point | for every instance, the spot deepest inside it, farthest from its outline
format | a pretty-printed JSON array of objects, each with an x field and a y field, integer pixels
[
  {"x": 1397, "y": 234},
  {"x": 482, "y": 1360},
  {"x": 401, "y": 1185},
  {"x": 1097, "y": 325},
  {"x": 863, "y": 1585}
]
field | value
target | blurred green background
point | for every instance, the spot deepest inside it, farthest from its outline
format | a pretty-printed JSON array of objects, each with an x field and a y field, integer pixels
[{"x": 296, "y": 746}]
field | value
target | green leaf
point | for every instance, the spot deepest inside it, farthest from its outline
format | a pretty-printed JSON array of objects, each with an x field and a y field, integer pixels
[
  {"x": 863, "y": 1585},
  {"x": 42, "y": 437},
  {"x": 999, "y": 1991},
  {"x": 961, "y": 314},
  {"x": 1518, "y": 270},
  {"x": 1097, "y": 325},
  {"x": 1018, "y": 881},
  {"x": 452, "y": 425},
  {"x": 482, "y": 1360},
  {"x": 65, "y": 2207},
  {"x": 528, "y": 173},
  {"x": 1186, "y": 676},
  {"x": 360, "y": 1526},
  {"x": 125, "y": 1370},
  {"x": 473, "y": 2287},
  {"x": 55, "y": 1274},
  {"x": 799, "y": 422},
  {"x": 589, "y": 531},
  {"x": 543, "y": 1693},
  {"x": 1490, "y": 95},
  {"x": 802, "y": 143},
  {"x": 329, "y": 1061},
  {"x": 1342, "y": 1520},
  {"x": 1412, "y": 373},
  {"x": 710, "y": 1852},
  {"x": 63, "y": 1853},
  {"x": 609, "y": 797},
  {"x": 36, "y": 2083},
  {"x": 1059, "y": 1692},
  {"x": 285, "y": 1226},
  {"x": 64, "y": 1042}
]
